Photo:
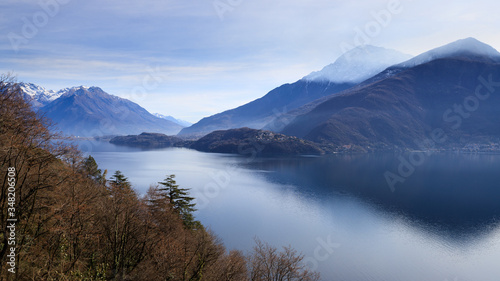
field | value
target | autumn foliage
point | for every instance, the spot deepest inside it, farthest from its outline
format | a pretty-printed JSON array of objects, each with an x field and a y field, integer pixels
[{"x": 75, "y": 224}]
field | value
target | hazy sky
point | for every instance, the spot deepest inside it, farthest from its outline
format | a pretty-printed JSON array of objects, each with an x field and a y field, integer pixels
[{"x": 194, "y": 58}]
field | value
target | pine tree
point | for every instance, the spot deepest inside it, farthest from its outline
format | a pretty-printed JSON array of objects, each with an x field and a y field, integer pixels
[
  {"x": 119, "y": 180},
  {"x": 180, "y": 201},
  {"x": 91, "y": 169}
]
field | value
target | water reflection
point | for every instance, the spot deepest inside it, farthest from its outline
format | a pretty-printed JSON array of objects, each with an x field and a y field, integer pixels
[
  {"x": 453, "y": 194},
  {"x": 439, "y": 224}
]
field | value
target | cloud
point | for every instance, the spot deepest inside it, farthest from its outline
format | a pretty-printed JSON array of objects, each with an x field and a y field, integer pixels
[{"x": 255, "y": 46}]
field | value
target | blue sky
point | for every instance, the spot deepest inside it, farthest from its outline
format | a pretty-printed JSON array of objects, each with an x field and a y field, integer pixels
[{"x": 195, "y": 58}]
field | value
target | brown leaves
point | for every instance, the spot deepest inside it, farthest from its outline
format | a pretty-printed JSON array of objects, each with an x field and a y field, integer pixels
[{"x": 76, "y": 225}]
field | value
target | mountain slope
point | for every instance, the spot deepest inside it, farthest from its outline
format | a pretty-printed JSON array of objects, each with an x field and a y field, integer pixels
[
  {"x": 90, "y": 112},
  {"x": 350, "y": 69},
  {"x": 465, "y": 49},
  {"x": 409, "y": 107},
  {"x": 260, "y": 112}
]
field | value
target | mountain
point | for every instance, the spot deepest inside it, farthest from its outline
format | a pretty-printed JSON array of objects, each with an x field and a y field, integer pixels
[
  {"x": 171, "y": 118},
  {"x": 38, "y": 96},
  {"x": 366, "y": 61},
  {"x": 260, "y": 112},
  {"x": 90, "y": 112},
  {"x": 469, "y": 48},
  {"x": 358, "y": 65},
  {"x": 434, "y": 100}
]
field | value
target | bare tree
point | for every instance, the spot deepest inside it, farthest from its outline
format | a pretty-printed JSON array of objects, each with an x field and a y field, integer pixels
[
  {"x": 230, "y": 267},
  {"x": 266, "y": 263},
  {"x": 123, "y": 229},
  {"x": 27, "y": 145}
]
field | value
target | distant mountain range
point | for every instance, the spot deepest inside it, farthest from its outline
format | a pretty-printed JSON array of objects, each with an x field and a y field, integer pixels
[
  {"x": 91, "y": 112},
  {"x": 347, "y": 71},
  {"x": 369, "y": 99},
  {"x": 447, "y": 93},
  {"x": 173, "y": 119},
  {"x": 446, "y": 98}
]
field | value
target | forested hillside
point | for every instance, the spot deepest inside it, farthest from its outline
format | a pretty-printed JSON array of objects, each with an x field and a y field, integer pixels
[{"x": 70, "y": 221}]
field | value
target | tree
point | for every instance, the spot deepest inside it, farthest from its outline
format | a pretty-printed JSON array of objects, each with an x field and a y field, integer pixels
[
  {"x": 118, "y": 180},
  {"x": 74, "y": 225},
  {"x": 229, "y": 267},
  {"x": 178, "y": 253},
  {"x": 266, "y": 263},
  {"x": 91, "y": 169},
  {"x": 28, "y": 146},
  {"x": 123, "y": 228},
  {"x": 180, "y": 201}
]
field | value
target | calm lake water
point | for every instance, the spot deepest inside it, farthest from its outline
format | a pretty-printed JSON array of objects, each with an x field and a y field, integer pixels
[{"x": 441, "y": 223}]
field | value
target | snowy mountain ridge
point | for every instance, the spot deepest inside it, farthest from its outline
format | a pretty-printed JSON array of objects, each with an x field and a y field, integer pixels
[
  {"x": 81, "y": 111},
  {"x": 463, "y": 47},
  {"x": 39, "y": 95},
  {"x": 358, "y": 65}
]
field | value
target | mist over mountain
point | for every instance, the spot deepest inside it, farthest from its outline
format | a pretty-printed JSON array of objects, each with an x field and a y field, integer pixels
[
  {"x": 468, "y": 48},
  {"x": 358, "y": 65},
  {"x": 438, "y": 97}
]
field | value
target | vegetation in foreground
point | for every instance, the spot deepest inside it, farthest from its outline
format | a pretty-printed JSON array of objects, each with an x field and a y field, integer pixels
[{"x": 74, "y": 224}]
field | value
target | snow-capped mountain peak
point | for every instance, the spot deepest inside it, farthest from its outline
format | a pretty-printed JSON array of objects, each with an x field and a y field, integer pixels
[
  {"x": 38, "y": 95},
  {"x": 469, "y": 47},
  {"x": 36, "y": 91},
  {"x": 73, "y": 90},
  {"x": 358, "y": 65}
]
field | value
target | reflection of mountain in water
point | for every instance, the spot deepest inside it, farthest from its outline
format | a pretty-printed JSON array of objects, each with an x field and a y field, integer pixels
[{"x": 456, "y": 195}]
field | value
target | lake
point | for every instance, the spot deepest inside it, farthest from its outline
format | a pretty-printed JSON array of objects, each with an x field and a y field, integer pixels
[{"x": 438, "y": 221}]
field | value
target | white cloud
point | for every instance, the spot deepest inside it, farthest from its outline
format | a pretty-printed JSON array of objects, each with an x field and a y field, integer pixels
[{"x": 257, "y": 46}]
